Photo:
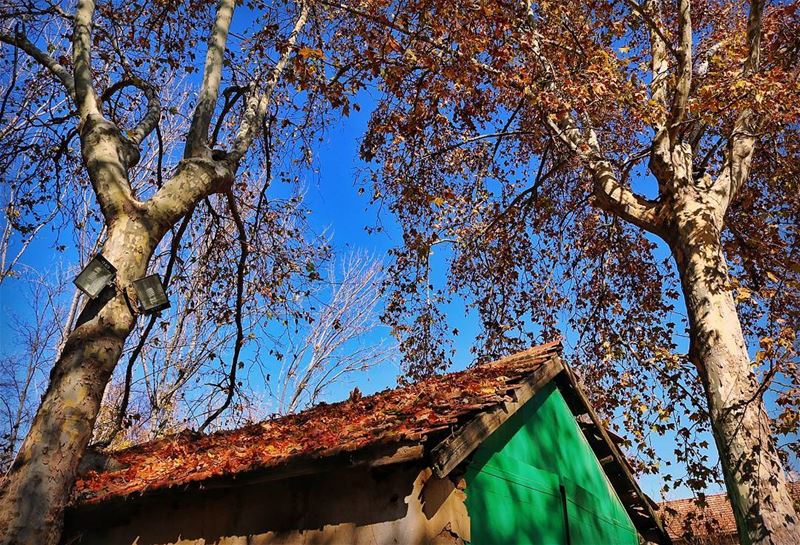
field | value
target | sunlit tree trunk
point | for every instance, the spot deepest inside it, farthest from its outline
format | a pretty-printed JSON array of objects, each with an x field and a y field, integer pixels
[
  {"x": 38, "y": 485},
  {"x": 753, "y": 472}
]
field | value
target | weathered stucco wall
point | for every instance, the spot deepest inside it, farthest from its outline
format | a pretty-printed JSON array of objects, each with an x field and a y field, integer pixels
[{"x": 399, "y": 504}]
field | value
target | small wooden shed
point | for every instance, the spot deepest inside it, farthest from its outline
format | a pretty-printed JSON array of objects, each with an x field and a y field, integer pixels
[{"x": 508, "y": 452}]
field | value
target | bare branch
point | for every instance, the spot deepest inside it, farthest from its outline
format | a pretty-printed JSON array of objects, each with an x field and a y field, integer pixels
[
  {"x": 331, "y": 347},
  {"x": 241, "y": 269},
  {"x": 59, "y": 71},
  {"x": 153, "y": 113},
  {"x": 196, "y": 141},
  {"x": 258, "y": 100}
]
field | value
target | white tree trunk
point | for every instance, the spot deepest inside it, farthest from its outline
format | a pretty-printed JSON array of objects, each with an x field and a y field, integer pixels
[
  {"x": 38, "y": 485},
  {"x": 754, "y": 475}
]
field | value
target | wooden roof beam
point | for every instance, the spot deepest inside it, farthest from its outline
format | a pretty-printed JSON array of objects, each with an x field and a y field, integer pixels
[
  {"x": 617, "y": 470},
  {"x": 456, "y": 448}
]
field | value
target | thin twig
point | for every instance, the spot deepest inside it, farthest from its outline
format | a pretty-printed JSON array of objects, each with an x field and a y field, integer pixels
[{"x": 240, "y": 275}]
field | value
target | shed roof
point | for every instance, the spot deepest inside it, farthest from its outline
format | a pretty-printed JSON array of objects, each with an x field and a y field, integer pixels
[
  {"x": 686, "y": 519},
  {"x": 405, "y": 414},
  {"x": 442, "y": 418}
]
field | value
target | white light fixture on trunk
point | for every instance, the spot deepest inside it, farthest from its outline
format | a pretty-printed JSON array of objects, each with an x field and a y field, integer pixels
[
  {"x": 151, "y": 294},
  {"x": 97, "y": 274}
]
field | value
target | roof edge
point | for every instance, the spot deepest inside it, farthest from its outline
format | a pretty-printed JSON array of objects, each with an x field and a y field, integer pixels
[
  {"x": 638, "y": 505},
  {"x": 448, "y": 454},
  {"x": 385, "y": 454}
]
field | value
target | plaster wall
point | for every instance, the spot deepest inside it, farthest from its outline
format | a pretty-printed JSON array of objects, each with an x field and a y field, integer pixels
[{"x": 400, "y": 504}]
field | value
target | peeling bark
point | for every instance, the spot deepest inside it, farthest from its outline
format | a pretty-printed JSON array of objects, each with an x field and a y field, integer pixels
[
  {"x": 37, "y": 487},
  {"x": 753, "y": 472}
]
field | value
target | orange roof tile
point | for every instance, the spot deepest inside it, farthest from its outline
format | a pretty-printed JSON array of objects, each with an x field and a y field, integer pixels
[
  {"x": 408, "y": 413},
  {"x": 686, "y": 518}
]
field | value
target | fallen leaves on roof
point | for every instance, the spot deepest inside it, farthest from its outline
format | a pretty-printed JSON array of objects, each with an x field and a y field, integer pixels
[{"x": 403, "y": 414}]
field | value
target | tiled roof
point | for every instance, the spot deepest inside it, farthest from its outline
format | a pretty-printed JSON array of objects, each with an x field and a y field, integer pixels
[
  {"x": 686, "y": 518},
  {"x": 408, "y": 413}
]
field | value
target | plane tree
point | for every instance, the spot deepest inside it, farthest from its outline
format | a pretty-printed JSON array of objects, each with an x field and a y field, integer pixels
[
  {"x": 90, "y": 85},
  {"x": 627, "y": 170}
]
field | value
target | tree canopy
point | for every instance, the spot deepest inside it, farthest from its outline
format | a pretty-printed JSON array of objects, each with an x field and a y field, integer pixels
[{"x": 468, "y": 153}]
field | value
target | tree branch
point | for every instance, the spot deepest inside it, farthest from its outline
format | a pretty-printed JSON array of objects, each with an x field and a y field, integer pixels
[
  {"x": 257, "y": 102},
  {"x": 477, "y": 138},
  {"x": 742, "y": 141},
  {"x": 194, "y": 179},
  {"x": 684, "y": 84},
  {"x": 107, "y": 155},
  {"x": 659, "y": 65},
  {"x": 85, "y": 95},
  {"x": 196, "y": 141},
  {"x": 653, "y": 23},
  {"x": 610, "y": 195},
  {"x": 231, "y": 96},
  {"x": 241, "y": 269},
  {"x": 151, "y": 117},
  {"x": 152, "y": 114},
  {"x": 59, "y": 71},
  {"x": 754, "y": 20}
]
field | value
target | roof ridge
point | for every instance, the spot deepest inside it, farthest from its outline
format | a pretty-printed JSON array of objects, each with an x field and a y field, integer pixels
[{"x": 534, "y": 351}]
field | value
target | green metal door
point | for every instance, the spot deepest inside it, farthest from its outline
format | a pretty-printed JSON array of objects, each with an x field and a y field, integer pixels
[
  {"x": 536, "y": 481},
  {"x": 590, "y": 519},
  {"x": 518, "y": 504}
]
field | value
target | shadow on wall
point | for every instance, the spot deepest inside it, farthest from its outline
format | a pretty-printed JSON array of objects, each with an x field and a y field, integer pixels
[{"x": 294, "y": 510}]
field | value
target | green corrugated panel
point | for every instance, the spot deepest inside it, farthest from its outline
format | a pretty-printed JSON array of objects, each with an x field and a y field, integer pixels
[
  {"x": 508, "y": 489},
  {"x": 530, "y": 470}
]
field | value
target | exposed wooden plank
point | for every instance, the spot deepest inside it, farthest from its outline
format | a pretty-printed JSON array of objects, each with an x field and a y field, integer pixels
[
  {"x": 405, "y": 453},
  {"x": 453, "y": 450}
]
